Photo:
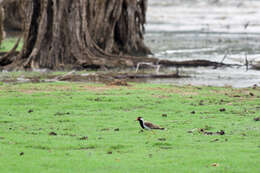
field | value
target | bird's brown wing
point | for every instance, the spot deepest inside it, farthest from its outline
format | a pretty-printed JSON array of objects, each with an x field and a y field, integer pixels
[{"x": 152, "y": 126}]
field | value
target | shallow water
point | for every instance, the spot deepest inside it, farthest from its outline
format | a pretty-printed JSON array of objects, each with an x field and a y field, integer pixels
[{"x": 207, "y": 30}]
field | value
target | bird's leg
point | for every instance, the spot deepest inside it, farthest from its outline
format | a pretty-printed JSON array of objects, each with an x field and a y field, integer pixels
[{"x": 141, "y": 131}]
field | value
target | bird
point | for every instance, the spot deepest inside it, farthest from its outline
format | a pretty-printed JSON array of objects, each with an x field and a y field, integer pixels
[{"x": 148, "y": 125}]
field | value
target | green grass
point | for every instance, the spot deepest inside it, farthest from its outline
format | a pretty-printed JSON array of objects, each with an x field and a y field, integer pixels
[
  {"x": 9, "y": 43},
  {"x": 30, "y": 113}
]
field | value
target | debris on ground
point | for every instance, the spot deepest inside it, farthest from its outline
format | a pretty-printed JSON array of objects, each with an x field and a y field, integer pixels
[
  {"x": 206, "y": 132},
  {"x": 84, "y": 138},
  {"x": 53, "y": 134},
  {"x": 257, "y": 118}
]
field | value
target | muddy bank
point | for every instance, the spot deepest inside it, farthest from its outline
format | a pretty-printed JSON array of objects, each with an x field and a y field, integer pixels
[{"x": 113, "y": 78}]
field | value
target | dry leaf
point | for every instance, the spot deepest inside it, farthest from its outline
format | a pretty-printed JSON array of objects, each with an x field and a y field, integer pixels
[{"x": 215, "y": 164}]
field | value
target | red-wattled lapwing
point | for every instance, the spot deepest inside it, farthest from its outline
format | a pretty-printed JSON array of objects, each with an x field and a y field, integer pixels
[{"x": 147, "y": 125}]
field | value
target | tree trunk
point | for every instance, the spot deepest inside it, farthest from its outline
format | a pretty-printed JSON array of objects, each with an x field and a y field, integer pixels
[
  {"x": 71, "y": 34},
  {"x": 2, "y": 32},
  {"x": 13, "y": 16},
  {"x": 84, "y": 33},
  {"x": 118, "y": 26}
]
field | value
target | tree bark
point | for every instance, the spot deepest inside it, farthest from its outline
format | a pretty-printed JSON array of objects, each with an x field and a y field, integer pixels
[
  {"x": 13, "y": 16},
  {"x": 2, "y": 32},
  {"x": 80, "y": 34},
  {"x": 118, "y": 26}
]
